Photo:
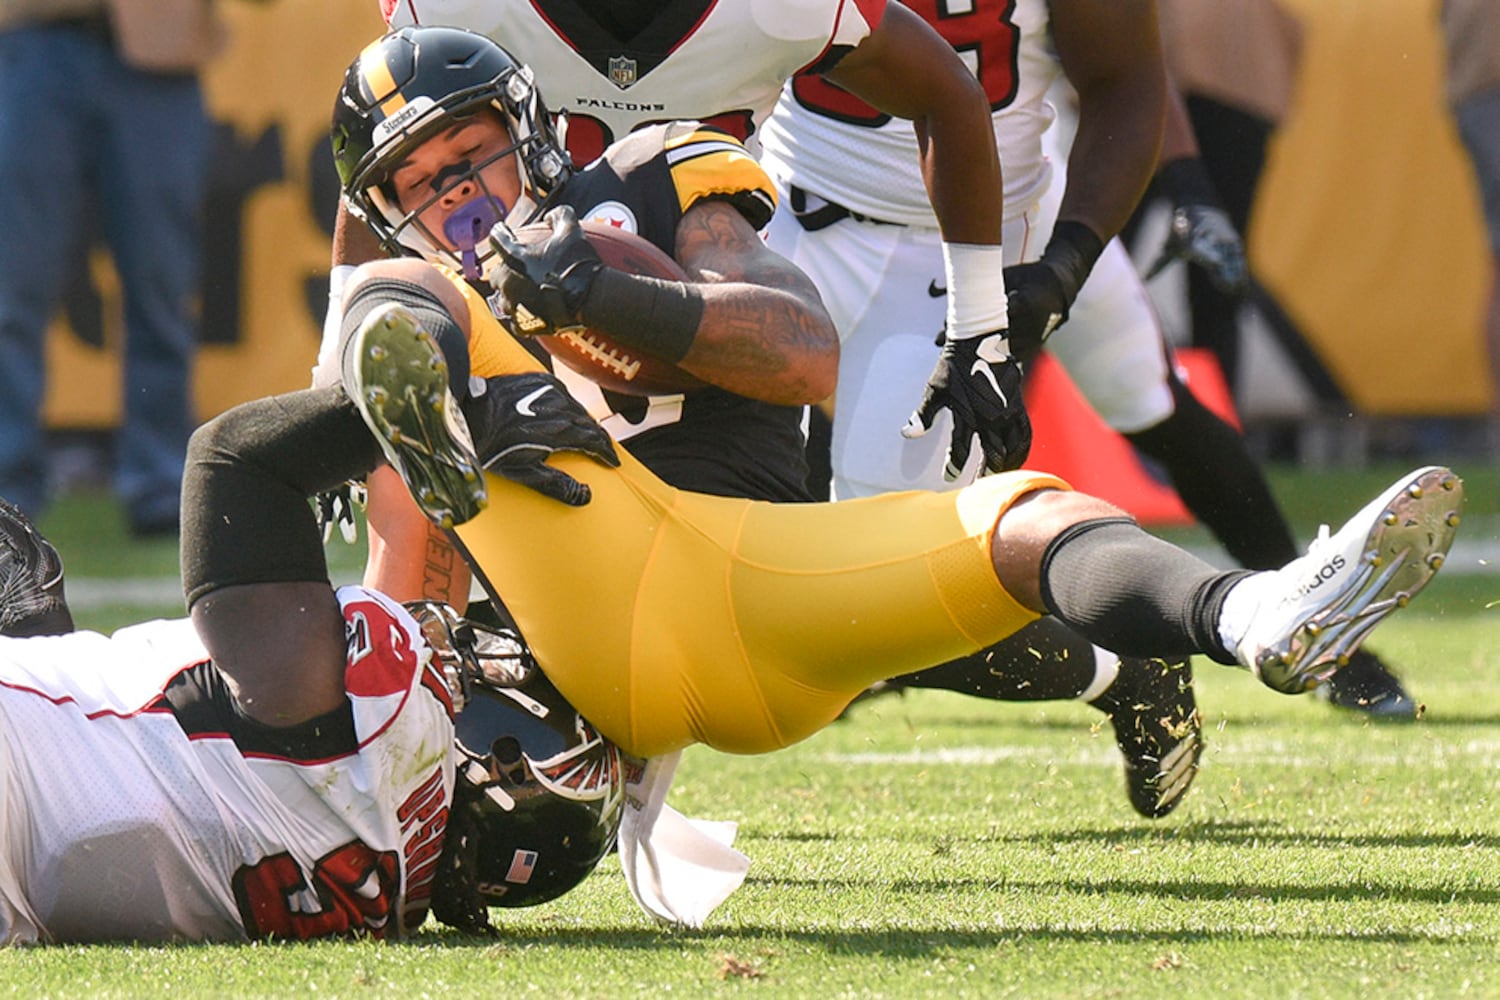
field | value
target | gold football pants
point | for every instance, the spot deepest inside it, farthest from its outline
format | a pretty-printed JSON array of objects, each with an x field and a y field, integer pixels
[{"x": 669, "y": 618}]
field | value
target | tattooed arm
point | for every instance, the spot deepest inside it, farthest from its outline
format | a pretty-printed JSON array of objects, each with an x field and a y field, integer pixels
[{"x": 764, "y": 332}]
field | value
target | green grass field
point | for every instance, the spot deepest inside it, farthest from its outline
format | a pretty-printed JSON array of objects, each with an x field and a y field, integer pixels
[{"x": 933, "y": 845}]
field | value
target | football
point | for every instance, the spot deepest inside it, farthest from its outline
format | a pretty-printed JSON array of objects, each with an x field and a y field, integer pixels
[{"x": 607, "y": 362}]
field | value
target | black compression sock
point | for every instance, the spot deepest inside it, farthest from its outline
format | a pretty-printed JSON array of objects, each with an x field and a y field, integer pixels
[
  {"x": 1133, "y": 593},
  {"x": 1045, "y": 661},
  {"x": 1219, "y": 481}
]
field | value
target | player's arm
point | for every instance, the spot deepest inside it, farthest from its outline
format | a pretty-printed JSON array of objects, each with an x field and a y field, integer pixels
[
  {"x": 764, "y": 332},
  {"x": 1201, "y": 231},
  {"x": 745, "y": 319},
  {"x": 253, "y": 571},
  {"x": 906, "y": 69},
  {"x": 1111, "y": 53}
]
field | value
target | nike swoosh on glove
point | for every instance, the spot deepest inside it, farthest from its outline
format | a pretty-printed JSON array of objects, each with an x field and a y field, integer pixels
[
  {"x": 520, "y": 421},
  {"x": 1204, "y": 236},
  {"x": 542, "y": 282},
  {"x": 979, "y": 383}
]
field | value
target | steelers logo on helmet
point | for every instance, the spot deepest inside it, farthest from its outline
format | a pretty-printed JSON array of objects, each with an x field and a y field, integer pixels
[{"x": 413, "y": 84}]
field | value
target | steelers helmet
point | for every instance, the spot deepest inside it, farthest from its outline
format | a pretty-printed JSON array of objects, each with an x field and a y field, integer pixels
[
  {"x": 408, "y": 86},
  {"x": 539, "y": 792}
]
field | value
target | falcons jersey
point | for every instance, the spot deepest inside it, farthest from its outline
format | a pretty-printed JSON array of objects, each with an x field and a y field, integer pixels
[
  {"x": 137, "y": 802},
  {"x": 708, "y": 440},
  {"x": 828, "y": 142},
  {"x": 718, "y": 61}
]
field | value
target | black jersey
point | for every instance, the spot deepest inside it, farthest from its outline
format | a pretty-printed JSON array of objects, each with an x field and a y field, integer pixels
[{"x": 708, "y": 440}]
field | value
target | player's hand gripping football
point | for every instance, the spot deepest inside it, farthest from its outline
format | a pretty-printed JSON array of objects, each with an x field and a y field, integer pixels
[
  {"x": 1204, "y": 237},
  {"x": 979, "y": 382},
  {"x": 542, "y": 284},
  {"x": 520, "y": 421}
]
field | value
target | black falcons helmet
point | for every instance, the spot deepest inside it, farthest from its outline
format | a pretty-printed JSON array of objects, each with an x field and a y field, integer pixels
[
  {"x": 413, "y": 83},
  {"x": 539, "y": 792}
]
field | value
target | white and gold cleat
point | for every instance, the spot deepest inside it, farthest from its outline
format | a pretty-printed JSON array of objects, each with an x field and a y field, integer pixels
[{"x": 1318, "y": 608}]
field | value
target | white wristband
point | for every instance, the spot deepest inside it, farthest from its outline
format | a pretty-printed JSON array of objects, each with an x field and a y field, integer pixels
[
  {"x": 975, "y": 274},
  {"x": 326, "y": 371}
]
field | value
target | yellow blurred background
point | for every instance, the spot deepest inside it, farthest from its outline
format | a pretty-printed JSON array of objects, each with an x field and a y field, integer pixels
[{"x": 1368, "y": 229}]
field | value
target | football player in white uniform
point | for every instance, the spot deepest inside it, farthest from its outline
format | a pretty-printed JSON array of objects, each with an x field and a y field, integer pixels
[
  {"x": 291, "y": 761},
  {"x": 856, "y": 221}
]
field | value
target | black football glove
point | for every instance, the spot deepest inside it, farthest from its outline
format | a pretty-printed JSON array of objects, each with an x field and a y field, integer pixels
[
  {"x": 979, "y": 383},
  {"x": 1037, "y": 302},
  {"x": 1200, "y": 232},
  {"x": 1039, "y": 294},
  {"x": 542, "y": 285},
  {"x": 521, "y": 420},
  {"x": 1203, "y": 236}
]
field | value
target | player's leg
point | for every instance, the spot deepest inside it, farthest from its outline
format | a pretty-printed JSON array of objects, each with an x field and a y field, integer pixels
[
  {"x": 812, "y": 602},
  {"x": 153, "y": 150},
  {"x": 1149, "y": 701},
  {"x": 1113, "y": 348},
  {"x": 1131, "y": 592},
  {"x": 389, "y": 312}
]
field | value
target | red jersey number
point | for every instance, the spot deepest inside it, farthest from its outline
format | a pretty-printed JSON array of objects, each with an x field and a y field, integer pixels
[
  {"x": 981, "y": 31},
  {"x": 354, "y": 885}
]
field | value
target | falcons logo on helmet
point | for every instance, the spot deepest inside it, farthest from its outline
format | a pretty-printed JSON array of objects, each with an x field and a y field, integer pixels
[{"x": 588, "y": 771}]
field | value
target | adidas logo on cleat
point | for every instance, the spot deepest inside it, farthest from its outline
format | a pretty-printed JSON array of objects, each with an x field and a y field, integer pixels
[{"x": 1326, "y": 572}]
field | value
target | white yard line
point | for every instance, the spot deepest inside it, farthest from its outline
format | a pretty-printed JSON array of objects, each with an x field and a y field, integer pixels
[{"x": 1470, "y": 557}]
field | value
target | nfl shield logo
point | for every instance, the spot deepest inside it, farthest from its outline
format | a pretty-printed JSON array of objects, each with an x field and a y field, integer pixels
[{"x": 621, "y": 71}]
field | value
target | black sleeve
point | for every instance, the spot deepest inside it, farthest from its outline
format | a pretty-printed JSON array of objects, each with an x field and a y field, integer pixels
[{"x": 249, "y": 473}]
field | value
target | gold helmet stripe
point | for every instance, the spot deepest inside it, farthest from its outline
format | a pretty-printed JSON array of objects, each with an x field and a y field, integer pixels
[{"x": 377, "y": 77}]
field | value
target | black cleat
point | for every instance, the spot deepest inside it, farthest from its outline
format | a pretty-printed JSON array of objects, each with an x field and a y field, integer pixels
[
  {"x": 31, "y": 579},
  {"x": 1367, "y": 685},
  {"x": 1158, "y": 729}
]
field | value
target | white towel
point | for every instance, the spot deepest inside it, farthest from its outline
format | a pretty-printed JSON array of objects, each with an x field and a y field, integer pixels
[{"x": 679, "y": 870}]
